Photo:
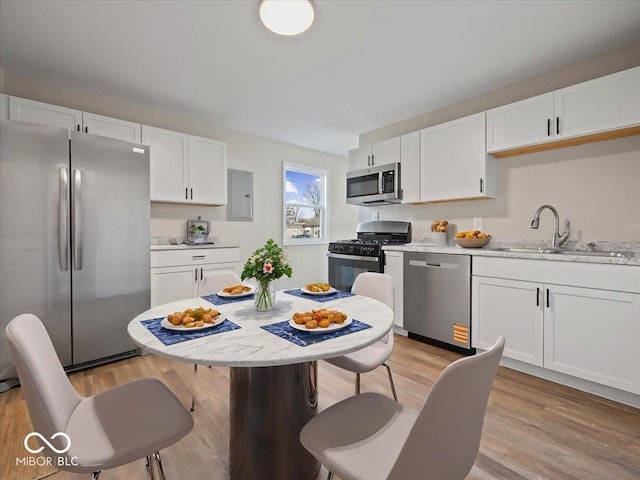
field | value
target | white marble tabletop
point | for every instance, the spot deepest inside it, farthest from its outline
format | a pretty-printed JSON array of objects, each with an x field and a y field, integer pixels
[{"x": 252, "y": 346}]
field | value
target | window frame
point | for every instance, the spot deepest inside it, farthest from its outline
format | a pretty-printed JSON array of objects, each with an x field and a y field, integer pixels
[{"x": 324, "y": 213}]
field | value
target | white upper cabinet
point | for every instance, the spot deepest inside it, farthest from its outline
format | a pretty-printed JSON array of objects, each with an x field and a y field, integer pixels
[
  {"x": 521, "y": 123},
  {"x": 208, "y": 170},
  {"x": 602, "y": 104},
  {"x": 26, "y": 110},
  {"x": 31, "y": 111},
  {"x": 376, "y": 154},
  {"x": 111, "y": 127},
  {"x": 168, "y": 164},
  {"x": 600, "y": 109},
  {"x": 185, "y": 168},
  {"x": 410, "y": 167},
  {"x": 453, "y": 161}
]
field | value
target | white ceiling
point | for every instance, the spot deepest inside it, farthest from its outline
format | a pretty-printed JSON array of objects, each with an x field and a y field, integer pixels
[{"x": 361, "y": 66}]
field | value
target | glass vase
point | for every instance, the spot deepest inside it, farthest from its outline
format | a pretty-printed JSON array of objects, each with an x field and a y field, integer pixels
[{"x": 265, "y": 296}]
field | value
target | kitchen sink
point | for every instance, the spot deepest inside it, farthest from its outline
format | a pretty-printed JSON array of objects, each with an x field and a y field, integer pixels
[{"x": 561, "y": 251}]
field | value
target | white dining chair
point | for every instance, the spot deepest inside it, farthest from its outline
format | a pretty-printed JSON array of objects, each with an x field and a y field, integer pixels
[
  {"x": 125, "y": 423},
  {"x": 371, "y": 437},
  {"x": 380, "y": 287},
  {"x": 216, "y": 281}
]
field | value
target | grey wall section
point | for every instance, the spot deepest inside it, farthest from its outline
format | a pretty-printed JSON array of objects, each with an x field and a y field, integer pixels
[{"x": 596, "y": 186}]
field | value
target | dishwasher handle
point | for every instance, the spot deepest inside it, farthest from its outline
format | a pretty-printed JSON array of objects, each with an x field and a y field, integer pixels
[{"x": 428, "y": 264}]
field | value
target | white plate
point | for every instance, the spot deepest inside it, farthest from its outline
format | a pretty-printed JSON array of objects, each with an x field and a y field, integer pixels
[
  {"x": 332, "y": 326},
  {"x": 165, "y": 323},
  {"x": 224, "y": 294},
  {"x": 331, "y": 291}
]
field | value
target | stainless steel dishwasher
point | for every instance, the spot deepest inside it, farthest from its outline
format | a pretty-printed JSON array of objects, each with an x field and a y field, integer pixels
[{"x": 437, "y": 299}]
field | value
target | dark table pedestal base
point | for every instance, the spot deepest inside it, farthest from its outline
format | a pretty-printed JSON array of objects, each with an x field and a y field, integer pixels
[{"x": 268, "y": 408}]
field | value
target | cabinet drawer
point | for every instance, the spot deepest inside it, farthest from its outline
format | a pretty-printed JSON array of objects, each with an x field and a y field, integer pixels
[{"x": 194, "y": 256}]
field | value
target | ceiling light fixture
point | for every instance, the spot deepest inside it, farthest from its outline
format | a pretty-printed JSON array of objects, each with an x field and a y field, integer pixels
[{"x": 287, "y": 17}]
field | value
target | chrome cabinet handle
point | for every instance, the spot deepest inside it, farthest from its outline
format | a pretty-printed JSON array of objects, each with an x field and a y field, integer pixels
[
  {"x": 63, "y": 218},
  {"x": 76, "y": 219}
]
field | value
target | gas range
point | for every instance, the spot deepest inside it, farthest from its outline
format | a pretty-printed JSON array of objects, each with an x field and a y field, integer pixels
[
  {"x": 372, "y": 236},
  {"x": 366, "y": 248},
  {"x": 350, "y": 258}
]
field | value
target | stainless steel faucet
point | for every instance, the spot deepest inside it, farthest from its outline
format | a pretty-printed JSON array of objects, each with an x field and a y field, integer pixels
[{"x": 558, "y": 238}]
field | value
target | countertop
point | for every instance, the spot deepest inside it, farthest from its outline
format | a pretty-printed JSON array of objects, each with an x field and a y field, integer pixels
[
  {"x": 428, "y": 247},
  {"x": 183, "y": 246}
]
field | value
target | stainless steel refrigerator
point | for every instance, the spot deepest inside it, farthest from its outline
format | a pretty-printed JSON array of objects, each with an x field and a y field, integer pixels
[{"x": 74, "y": 239}]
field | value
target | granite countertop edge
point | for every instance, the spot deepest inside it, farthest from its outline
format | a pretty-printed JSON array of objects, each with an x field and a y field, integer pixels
[
  {"x": 192, "y": 247},
  {"x": 487, "y": 252}
]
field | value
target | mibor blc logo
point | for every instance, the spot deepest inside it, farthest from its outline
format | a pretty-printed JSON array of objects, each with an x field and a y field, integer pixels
[{"x": 50, "y": 461}]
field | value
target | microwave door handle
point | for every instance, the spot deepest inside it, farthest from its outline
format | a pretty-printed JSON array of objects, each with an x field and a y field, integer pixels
[{"x": 380, "y": 182}]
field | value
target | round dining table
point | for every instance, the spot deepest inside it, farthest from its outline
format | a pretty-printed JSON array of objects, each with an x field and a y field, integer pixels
[{"x": 273, "y": 377}]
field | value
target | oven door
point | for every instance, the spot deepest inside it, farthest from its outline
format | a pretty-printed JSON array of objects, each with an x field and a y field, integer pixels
[{"x": 343, "y": 269}]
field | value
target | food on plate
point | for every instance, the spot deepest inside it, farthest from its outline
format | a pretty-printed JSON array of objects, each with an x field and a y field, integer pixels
[
  {"x": 191, "y": 317},
  {"x": 236, "y": 289},
  {"x": 472, "y": 234},
  {"x": 319, "y": 318},
  {"x": 318, "y": 287},
  {"x": 439, "y": 226}
]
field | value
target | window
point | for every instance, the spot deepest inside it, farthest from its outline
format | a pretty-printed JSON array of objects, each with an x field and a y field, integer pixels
[{"x": 305, "y": 204}]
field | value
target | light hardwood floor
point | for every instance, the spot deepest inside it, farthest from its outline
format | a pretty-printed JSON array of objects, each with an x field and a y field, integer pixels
[{"x": 534, "y": 429}]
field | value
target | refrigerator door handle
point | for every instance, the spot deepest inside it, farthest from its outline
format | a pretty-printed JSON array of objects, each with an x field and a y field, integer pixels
[
  {"x": 76, "y": 219},
  {"x": 63, "y": 218}
]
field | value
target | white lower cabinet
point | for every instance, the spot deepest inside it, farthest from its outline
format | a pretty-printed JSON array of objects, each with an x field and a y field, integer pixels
[
  {"x": 593, "y": 334},
  {"x": 509, "y": 308},
  {"x": 393, "y": 266},
  {"x": 180, "y": 274},
  {"x": 588, "y": 333}
]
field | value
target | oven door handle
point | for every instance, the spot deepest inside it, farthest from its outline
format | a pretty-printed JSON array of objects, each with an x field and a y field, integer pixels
[{"x": 353, "y": 257}]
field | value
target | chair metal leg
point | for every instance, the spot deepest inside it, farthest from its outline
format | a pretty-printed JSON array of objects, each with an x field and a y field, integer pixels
[
  {"x": 149, "y": 467},
  {"x": 393, "y": 388},
  {"x": 158, "y": 460},
  {"x": 96, "y": 474},
  {"x": 357, "y": 383},
  {"x": 193, "y": 395}
]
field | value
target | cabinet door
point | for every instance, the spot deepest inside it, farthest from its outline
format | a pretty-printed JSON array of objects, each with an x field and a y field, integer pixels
[
  {"x": 168, "y": 159},
  {"x": 169, "y": 284},
  {"x": 521, "y": 123},
  {"x": 453, "y": 160},
  {"x": 360, "y": 158},
  {"x": 44, "y": 114},
  {"x": 207, "y": 285},
  {"x": 410, "y": 167},
  {"x": 510, "y": 308},
  {"x": 393, "y": 266},
  {"x": 111, "y": 127},
  {"x": 602, "y": 104},
  {"x": 207, "y": 171},
  {"x": 387, "y": 151},
  {"x": 593, "y": 334}
]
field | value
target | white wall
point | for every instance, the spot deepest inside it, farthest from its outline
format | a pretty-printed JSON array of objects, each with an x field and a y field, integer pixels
[
  {"x": 259, "y": 155},
  {"x": 595, "y": 186}
]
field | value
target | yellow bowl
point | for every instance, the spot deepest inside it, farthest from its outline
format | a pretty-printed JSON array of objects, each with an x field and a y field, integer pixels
[{"x": 472, "y": 242}]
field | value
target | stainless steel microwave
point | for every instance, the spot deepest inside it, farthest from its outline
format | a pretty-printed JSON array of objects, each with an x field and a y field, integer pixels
[{"x": 374, "y": 186}]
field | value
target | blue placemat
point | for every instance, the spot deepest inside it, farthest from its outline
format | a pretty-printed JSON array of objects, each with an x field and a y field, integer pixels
[
  {"x": 319, "y": 298},
  {"x": 170, "y": 337},
  {"x": 286, "y": 331},
  {"x": 218, "y": 300}
]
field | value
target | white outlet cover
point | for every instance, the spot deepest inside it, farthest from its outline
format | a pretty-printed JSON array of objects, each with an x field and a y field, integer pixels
[{"x": 477, "y": 223}]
